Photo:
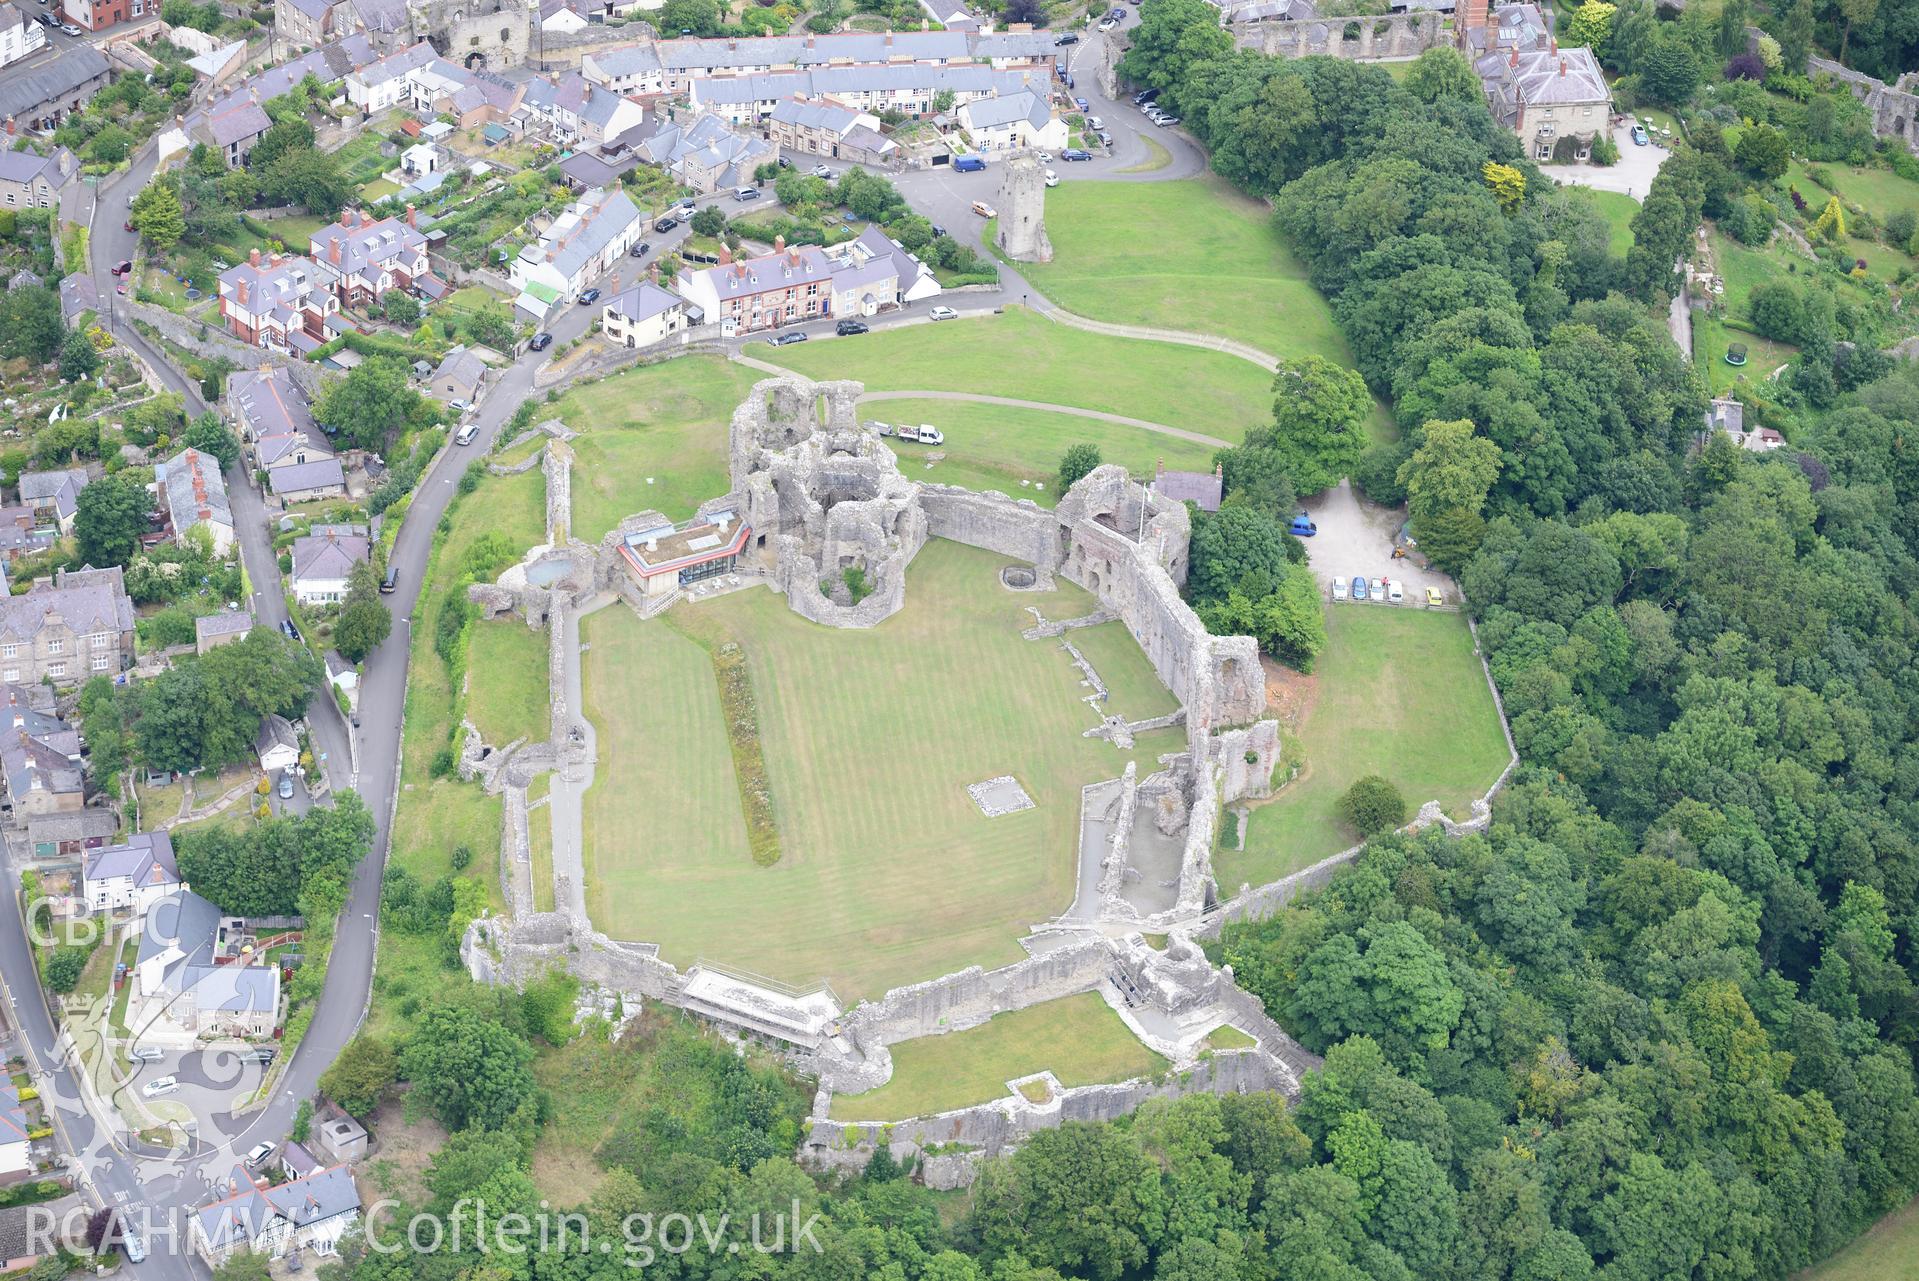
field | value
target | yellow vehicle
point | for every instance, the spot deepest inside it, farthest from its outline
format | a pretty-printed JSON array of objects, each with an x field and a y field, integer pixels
[{"x": 1433, "y": 599}]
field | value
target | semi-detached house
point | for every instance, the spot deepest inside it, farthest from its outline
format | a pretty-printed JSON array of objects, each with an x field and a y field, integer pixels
[
  {"x": 358, "y": 259},
  {"x": 278, "y": 303},
  {"x": 582, "y": 244}
]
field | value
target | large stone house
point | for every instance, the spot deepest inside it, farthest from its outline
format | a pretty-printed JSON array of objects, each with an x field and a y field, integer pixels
[
  {"x": 194, "y": 494},
  {"x": 29, "y": 181},
  {"x": 54, "y": 496},
  {"x": 190, "y": 979},
  {"x": 134, "y": 875},
  {"x": 40, "y": 754},
  {"x": 74, "y": 626},
  {"x": 308, "y": 1213}
]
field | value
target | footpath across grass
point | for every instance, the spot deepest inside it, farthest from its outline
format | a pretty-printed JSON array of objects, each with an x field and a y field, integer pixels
[
  {"x": 667, "y": 422},
  {"x": 1077, "y": 1038},
  {"x": 1024, "y": 356},
  {"x": 998, "y": 446},
  {"x": 1397, "y": 692},
  {"x": 1193, "y": 255}
]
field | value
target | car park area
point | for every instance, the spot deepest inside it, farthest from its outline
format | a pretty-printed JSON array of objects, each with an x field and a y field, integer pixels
[{"x": 1355, "y": 538}]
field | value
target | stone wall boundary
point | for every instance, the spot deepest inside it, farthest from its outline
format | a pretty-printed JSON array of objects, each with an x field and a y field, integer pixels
[{"x": 207, "y": 339}]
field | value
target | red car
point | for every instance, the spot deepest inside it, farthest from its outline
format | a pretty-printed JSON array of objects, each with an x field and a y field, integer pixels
[
  {"x": 128, "y": 226},
  {"x": 126, "y": 265}
]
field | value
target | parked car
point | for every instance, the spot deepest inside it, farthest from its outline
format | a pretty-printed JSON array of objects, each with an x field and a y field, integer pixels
[
  {"x": 1044, "y": 157},
  {"x": 666, "y": 224},
  {"x": 160, "y": 1085},
  {"x": 465, "y": 435},
  {"x": 146, "y": 1054},
  {"x": 1433, "y": 599},
  {"x": 1639, "y": 136},
  {"x": 942, "y": 313},
  {"x": 1052, "y": 179},
  {"x": 1081, "y": 104},
  {"x": 588, "y": 297},
  {"x": 968, "y": 164},
  {"x": 1339, "y": 589},
  {"x": 135, "y": 1247},
  {"x": 747, "y": 195},
  {"x": 69, "y": 29},
  {"x": 1069, "y": 38},
  {"x": 292, "y": 632},
  {"x": 391, "y": 583},
  {"x": 1395, "y": 590},
  {"x": 785, "y": 163},
  {"x": 458, "y": 406},
  {"x": 1095, "y": 121},
  {"x": 847, "y": 328},
  {"x": 122, "y": 267},
  {"x": 1105, "y": 139},
  {"x": 1379, "y": 589},
  {"x": 1302, "y": 526},
  {"x": 1074, "y": 153},
  {"x": 1359, "y": 588},
  {"x": 541, "y": 341},
  {"x": 1107, "y": 24},
  {"x": 984, "y": 210},
  {"x": 1068, "y": 78},
  {"x": 820, "y": 171},
  {"x": 786, "y": 339},
  {"x": 263, "y": 1055},
  {"x": 1166, "y": 121},
  {"x": 257, "y": 1154}
]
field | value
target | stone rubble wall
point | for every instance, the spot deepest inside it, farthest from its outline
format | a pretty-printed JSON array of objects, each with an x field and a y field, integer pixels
[
  {"x": 1895, "y": 110},
  {"x": 1378, "y": 39},
  {"x": 1015, "y": 527}
]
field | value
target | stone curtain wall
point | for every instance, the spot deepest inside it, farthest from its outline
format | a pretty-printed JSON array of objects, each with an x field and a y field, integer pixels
[
  {"x": 1017, "y": 528},
  {"x": 1895, "y": 111},
  {"x": 1398, "y": 36}
]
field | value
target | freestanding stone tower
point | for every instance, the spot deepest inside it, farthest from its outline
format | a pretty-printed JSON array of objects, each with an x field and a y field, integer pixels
[{"x": 1022, "y": 211}]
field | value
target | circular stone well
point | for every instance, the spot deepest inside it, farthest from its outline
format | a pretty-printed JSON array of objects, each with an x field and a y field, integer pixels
[{"x": 1017, "y": 577}]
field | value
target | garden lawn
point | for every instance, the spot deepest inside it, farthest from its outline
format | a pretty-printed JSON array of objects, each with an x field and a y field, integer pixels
[
  {"x": 1132, "y": 686},
  {"x": 889, "y": 873},
  {"x": 1400, "y": 693},
  {"x": 506, "y": 691},
  {"x": 667, "y": 422},
  {"x": 1884, "y": 1253},
  {"x": 437, "y": 816},
  {"x": 1216, "y": 266},
  {"x": 1078, "y": 1038},
  {"x": 539, "y": 830},
  {"x": 999, "y": 447},
  {"x": 295, "y": 231},
  {"x": 1026, "y": 357},
  {"x": 1710, "y": 338},
  {"x": 1618, "y": 209}
]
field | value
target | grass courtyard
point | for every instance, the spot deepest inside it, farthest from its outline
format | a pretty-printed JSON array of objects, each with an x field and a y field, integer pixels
[
  {"x": 1024, "y": 356},
  {"x": 998, "y": 447},
  {"x": 664, "y": 423},
  {"x": 1397, "y": 692},
  {"x": 1217, "y": 265},
  {"x": 889, "y": 874},
  {"x": 1078, "y": 1038},
  {"x": 502, "y": 702}
]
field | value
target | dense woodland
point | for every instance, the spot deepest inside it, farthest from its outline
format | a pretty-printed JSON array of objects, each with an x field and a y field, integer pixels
[{"x": 1658, "y": 1023}]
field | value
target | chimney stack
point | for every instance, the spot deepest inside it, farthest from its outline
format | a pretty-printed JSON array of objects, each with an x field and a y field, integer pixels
[
  {"x": 726, "y": 256},
  {"x": 9, "y": 126},
  {"x": 1514, "y": 60},
  {"x": 346, "y": 217},
  {"x": 253, "y": 257},
  {"x": 412, "y": 220},
  {"x": 333, "y": 251},
  {"x": 779, "y": 244},
  {"x": 242, "y": 291},
  {"x": 1562, "y": 66}
]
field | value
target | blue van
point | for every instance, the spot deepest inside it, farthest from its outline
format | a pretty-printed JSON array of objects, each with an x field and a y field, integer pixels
[
  {"x": 969, "y": 164},
  {"x": 1302, "y": 526}
]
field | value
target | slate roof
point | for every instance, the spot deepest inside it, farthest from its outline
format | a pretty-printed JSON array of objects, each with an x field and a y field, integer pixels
[
  {"x": 366, "y": 244},
  {"x": 58, "y": 489},
  {"x": 644, "y": 301},
  {"x": 325, "y": 558},
  {"x": 320, "y": 473},
  {"x": 229, "y": 122},
  {"x": 13, "y": 1118},
  {"x": 38, "y": 751},
  {"x": 25, "y": 166},
  {"x": 268, "y": 286},
  {"x": 602, "y": 216},
  {"x": 829, "y": 116},
  {"x": 249, "y": 1211},
  {"x": 721, "y": 54},
  {"x": 269, "y": 403},
  {"x": 381, "y": 15},
  {"x": 314, "y": 9},
  {"x": 1200, "y": 487},
  {"x": 195, "y": 493},
  {"x": 24, "y": 88},
  {"x": 464, "y": 368},
  {"x": 146, "y": 859},
  {"x": 328, "y": 63},
  {"x": 181, "y": 920},
  {"x": 228, "y": 622},
  {"x": 77, "y": 294},
  {"x": 90, "y": 600},
  {"x": 80, "y": 825},
  {"x": 395, "y": 65},
  {"x": 986, "y": 113}
]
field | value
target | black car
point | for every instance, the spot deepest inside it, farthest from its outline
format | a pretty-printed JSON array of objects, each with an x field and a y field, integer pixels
[
  {"x": 541, "y": 341},
  {"x": 666, "y": 224},
  {"x": 1074, "y": 153},
  {"x": 292, "y": 632},
  {"x": 847, "y": 328},
  {"x": 589, "y": 296},
  {"x": 639, "y": 250},
  {"x": 938, "y": 230},
  {"x": 786, "y": 340},
  {"x": 1071, "y": 37}
]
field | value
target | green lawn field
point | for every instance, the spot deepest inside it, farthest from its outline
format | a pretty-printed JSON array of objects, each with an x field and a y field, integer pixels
[
  {"x": 506, "y": 694},
  {"x": 1078, "y": 1038},
  {"x": 1886, "y": 1252},
  {"x": 1618, "y": 210},
  {"x": 1710, "y": 338},
  {"x": 997, "y": 447},
  {"x": 1132, "y": 686},
  {"x": 1026, "y": 357},
  {"x": 666, "y": 421},
  {"x": 1193, "y": 255},
  {"x": 889, "y": 873},
  {"x": 437, "y": 816},
  {"x": 1400, "y": 692},
  {"x": 539, "y": 831}
]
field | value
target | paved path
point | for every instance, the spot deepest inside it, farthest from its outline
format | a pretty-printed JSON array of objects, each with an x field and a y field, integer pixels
[
  {"x": 1010, "y": 402},
  {"x": 1149, "y": 333}
]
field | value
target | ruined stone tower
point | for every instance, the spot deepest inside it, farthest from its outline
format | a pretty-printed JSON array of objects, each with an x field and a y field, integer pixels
[{"x": 1022, "y": 211}]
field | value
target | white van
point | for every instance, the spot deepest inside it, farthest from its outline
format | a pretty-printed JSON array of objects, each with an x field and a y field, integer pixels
[{"x": 465, "y": 435}]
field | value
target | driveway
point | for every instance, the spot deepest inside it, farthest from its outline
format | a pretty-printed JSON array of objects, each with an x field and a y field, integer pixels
[
  {"x": 1632, "y": 176},
  {"x": 1356, "y": 537}
]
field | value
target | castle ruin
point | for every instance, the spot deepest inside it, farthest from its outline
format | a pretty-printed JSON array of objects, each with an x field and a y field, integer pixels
[{"x": 1022, "y": 211}]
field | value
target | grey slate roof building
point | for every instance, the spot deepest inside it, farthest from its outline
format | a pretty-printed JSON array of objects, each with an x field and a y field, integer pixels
[
  {"x": 78, "y": 624},
  {"x": 126, "y": 874},
  {"x": 78, "y": 294},
  {"x": 321, "y": 1206},
  {"x": 268, "y": 402},
  {"x": 210, "y": 630},
  {"x": 1202, "y": 488},
  {"x": 54, "y": 492},
  {"x": 32, "y": 96},
  {"x": 296, "y": 481},
  {"x": 459, "y": 374},
  {"x": 195, "y": 496},
  {"x": 644, "y": 301}
]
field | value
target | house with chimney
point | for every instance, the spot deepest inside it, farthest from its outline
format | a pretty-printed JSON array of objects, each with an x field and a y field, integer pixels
[
  {"x": 278, "y": 302},
  {"x": 272, "y": 415},
  {"x": 191, "y": 975},
  {"x": 131, "y": 876},
  {"x": 817, "y": 127},
  {"x": 193, "y": 495},
  {"x": 67, "y": 628},
  {"x": 795, "y": 284},
  {"x": 323, "y": 564},
  {"x": 19, "y": 35},
  {"x": 358, "y": 259},
  {"x": 580, "y": 246},
  {"x": 582, "y": 112},
  {"x": 1554, "y": 99},
  {"x": 254, "y": 1216},
  {"x": 40, "y": 96},
  {"x": 40, "y": 756},
  {"x": 230, "y": 127},
  {"x": 671, "y": 67},
  {"x": 54, "y": 496},
  {"x": 709, "y": 154},
  {"x": 30, "y": 181}
]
